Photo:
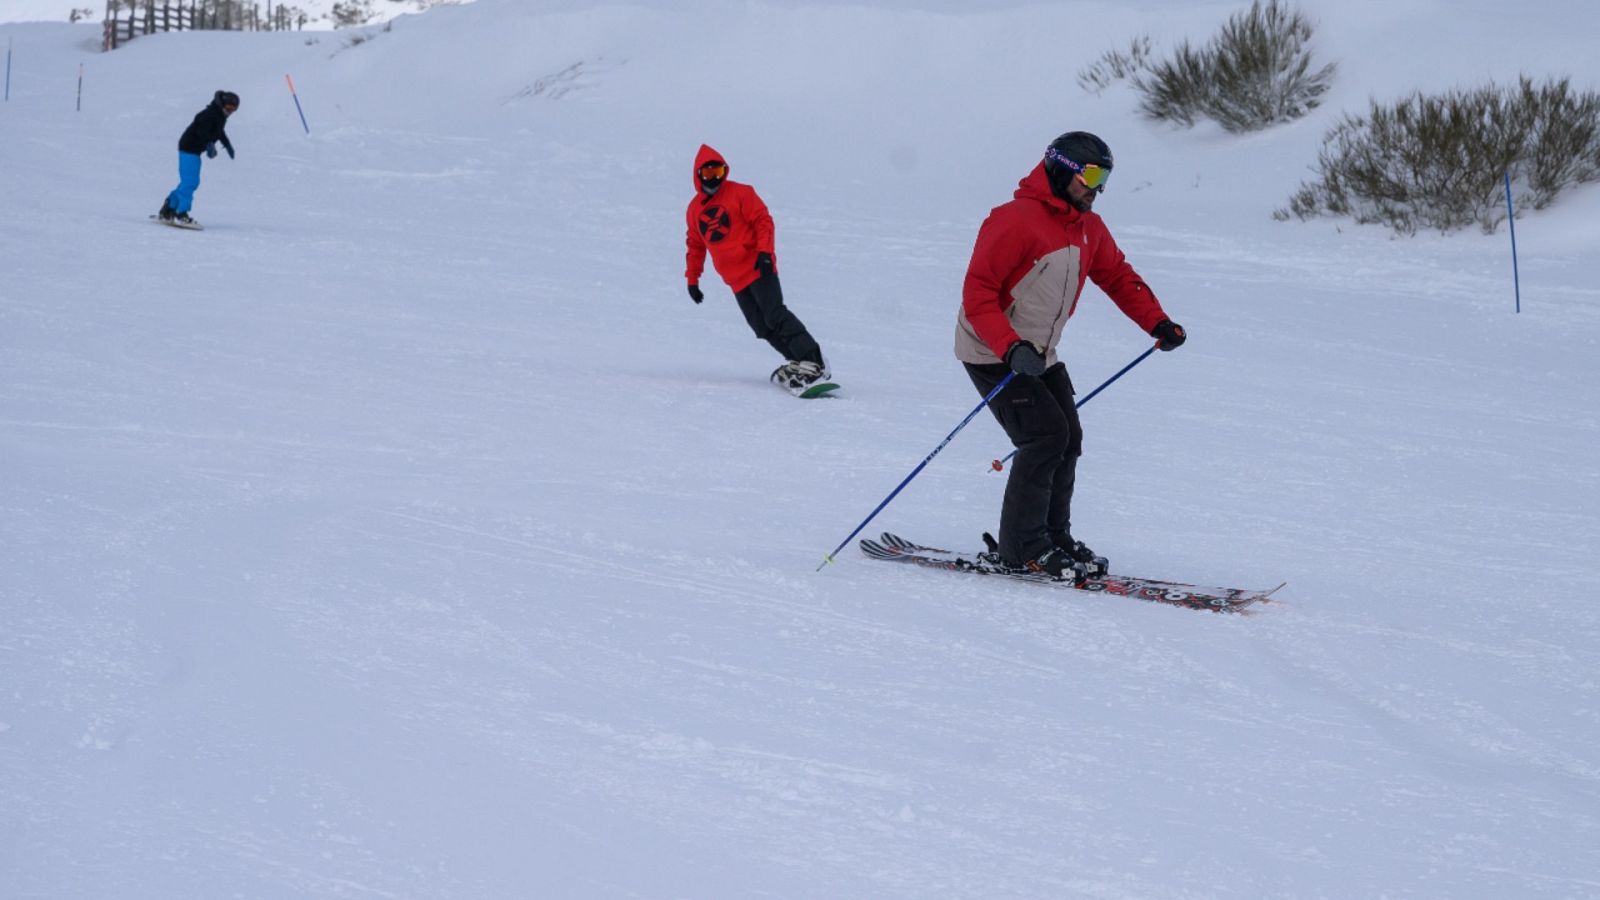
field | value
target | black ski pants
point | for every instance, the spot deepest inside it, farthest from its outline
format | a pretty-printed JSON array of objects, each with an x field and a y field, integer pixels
[
  {"x": 762, "y": 305},
  {"x": 1039, "y": 416}
]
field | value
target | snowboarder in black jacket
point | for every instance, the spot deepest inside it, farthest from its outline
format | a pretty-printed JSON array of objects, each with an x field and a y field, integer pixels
[{"x": 202, "y": 136}]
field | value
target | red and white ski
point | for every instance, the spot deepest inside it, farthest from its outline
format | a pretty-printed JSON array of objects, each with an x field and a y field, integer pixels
[{"x": 1173, "y": 593}]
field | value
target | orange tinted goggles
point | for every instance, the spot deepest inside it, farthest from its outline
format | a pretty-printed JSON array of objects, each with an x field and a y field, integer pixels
[{"x": 714, "y": 170}]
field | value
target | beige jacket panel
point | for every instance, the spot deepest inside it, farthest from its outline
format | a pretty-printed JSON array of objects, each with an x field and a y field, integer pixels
[{"x": 1040, "y": 306}]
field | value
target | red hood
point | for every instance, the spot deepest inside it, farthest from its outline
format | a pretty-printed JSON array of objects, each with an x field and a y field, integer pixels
[
  {"x": 1036, "y": 186},
  {"x": 706, "y": 155}
]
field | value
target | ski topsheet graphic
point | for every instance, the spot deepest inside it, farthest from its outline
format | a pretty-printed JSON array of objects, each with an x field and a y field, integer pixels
[{"x": 1173, "y": 593}]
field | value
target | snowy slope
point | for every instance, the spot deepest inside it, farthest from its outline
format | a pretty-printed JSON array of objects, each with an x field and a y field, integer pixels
[{"x": 409, "y": 533}]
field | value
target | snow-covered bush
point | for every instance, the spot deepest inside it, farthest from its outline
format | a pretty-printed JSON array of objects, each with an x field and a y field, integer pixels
[
  {"x": 1256, "y": 72},
  {"x": 1115, "y": 65},
  {"x": 348, "y": 13},
  {"x": 1439, "y": 161}
]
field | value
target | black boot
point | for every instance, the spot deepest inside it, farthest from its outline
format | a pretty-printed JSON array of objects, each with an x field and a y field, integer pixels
[{"x": 1089, "y": 563}]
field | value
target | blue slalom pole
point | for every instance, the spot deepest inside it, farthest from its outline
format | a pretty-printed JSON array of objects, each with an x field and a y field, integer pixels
[
  {"x": 1511, "y": 222},
  {"x": 948, "y": 438},
  {"x": 297, "y": 108},
  {"x": 8, "y": 70},
  {"x": 1000, "y": 464}
]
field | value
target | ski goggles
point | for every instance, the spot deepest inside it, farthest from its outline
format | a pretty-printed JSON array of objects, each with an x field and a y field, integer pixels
[
  {"x": 714, "y": 170},
  {"x": 1093, "y": 176}
]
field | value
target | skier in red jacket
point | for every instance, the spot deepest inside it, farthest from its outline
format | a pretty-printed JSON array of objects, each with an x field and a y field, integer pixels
[
  {"x": 1027, "y": 270},
  {"x": 728, "y": 219}
]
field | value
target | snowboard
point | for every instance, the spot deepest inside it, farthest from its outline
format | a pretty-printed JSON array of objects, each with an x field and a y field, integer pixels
[
  {"x": 820, "y": 389},
  {"x": 811, "y": 391},
  {"x": 192, "y": 226},
  {"x": 892, "y": 547}
]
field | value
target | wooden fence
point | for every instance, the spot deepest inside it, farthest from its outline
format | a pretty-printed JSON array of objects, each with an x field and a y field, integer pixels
[{"x": 126, "y": 19}]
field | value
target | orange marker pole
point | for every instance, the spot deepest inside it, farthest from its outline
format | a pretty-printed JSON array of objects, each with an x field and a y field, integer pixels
[{"x": 297, "y": 104}]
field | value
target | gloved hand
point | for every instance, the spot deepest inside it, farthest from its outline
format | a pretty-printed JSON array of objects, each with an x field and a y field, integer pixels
[
  {"x": 1169, "y": 334},
  {"x": 1025, "y": 359},
  {"x": 230, "y": 152},
  {"x": 764, "y": 263},
  {"x": 211, "y": 151},
  {"x": 694, "y": 293}
]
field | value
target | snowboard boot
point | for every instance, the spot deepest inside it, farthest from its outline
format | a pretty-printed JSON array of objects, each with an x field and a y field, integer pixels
[
  {"x": 184, "y": 220},
  {"x": 1089, "y": 564},
  {"x": 166, "y": 213},
  {"x": 807, "y": 374},
  {"x": 782, "y": 375}
]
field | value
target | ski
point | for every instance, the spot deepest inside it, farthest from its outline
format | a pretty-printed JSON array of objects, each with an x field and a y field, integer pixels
[{"x": 1173, "y": 593}]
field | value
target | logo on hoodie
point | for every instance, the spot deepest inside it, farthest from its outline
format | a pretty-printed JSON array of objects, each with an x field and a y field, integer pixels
[{"x": 714, "y": 224}]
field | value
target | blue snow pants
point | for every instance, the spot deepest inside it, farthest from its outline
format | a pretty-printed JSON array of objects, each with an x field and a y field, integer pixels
[{"x": 182, "y": 196}]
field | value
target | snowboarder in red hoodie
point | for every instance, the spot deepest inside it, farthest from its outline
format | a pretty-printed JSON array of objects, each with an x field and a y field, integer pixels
[
  {"x": 1028, "y": 268},
  {"x": 728, "y": 219}
]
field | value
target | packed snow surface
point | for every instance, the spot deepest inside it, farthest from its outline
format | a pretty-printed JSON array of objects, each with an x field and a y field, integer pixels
[{"x": 409, "y": 533}]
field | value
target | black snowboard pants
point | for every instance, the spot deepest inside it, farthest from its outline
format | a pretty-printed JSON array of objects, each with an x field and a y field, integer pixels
[
  {"x": 762, "y": 305},
  {"x": 1039, "y": 416}
]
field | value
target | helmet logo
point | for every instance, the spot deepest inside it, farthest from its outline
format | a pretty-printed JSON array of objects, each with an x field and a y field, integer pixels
[{"x": 714, "y": 224}]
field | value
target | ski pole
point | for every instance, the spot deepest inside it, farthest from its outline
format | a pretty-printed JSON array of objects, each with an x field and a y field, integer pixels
[
  {"x": 1000, "y": 464},
  {"x": 948, "y": 438}
]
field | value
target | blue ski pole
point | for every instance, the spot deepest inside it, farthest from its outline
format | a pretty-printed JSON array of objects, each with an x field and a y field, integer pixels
[
  {"x": 1511, "y": 222},
  {"x": 1000, "y": 464},
  {"x": 948, "y": 438}
]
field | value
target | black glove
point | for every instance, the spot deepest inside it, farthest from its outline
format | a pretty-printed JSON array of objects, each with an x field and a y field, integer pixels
[
  {"x": 1169, "y": 334},
  {"x": 764, "y": 264},
  {"x": 1024, "y": 359},
  {"x": 694, "y": 293},
  {"x": 211, "y": 151}
]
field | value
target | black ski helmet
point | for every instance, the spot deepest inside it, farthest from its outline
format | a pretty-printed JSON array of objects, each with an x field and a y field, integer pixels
[
  {"x": 1080, "y": 147},
  {"x": 226, "y": 98}
]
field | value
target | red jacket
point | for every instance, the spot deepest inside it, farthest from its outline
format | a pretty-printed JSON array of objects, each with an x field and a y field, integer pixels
[
  {"x": 733, "y": 224},
  {"x": 1027, "y": 271}
]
